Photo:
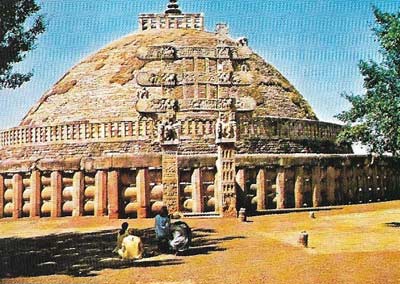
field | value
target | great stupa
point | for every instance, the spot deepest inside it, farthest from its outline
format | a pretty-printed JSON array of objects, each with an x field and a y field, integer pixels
[{"x": 178, "y": 116}]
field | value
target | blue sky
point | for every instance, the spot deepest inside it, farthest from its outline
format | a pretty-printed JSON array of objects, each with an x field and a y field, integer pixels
[{"x": 316, "y": 44}]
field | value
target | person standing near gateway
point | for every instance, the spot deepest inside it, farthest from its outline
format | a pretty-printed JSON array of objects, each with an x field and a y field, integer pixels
[{"x": 162, "y": 224}]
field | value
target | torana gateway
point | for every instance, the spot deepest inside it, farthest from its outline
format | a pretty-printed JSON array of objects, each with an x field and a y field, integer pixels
[{"x": 177, "y": 116}]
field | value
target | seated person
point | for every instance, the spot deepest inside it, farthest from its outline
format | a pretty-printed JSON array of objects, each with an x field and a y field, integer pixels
[
  {"x": 132, "y": 246},
  {"x": 162, "y": 224},
  {"x": 121, "y": 235}
]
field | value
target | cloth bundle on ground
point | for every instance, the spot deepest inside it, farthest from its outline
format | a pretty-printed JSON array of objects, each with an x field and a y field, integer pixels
[{"x": 181, "y": 236}]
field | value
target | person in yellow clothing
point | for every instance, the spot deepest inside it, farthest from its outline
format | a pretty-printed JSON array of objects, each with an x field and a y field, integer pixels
[{"x": 132, "y": 247}]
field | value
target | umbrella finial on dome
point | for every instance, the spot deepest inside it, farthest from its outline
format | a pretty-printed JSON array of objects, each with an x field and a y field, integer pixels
[{"x": 173, "y": 7}]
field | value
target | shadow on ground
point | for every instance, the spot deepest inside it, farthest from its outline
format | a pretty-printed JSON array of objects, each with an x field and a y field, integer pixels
[
  {"x": 84, "y": 254},
  {"x": 393, "y": 224}
]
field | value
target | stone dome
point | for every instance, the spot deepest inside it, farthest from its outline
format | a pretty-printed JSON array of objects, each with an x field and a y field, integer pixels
[
  {"x": 170, "y": 83},
  {"x": 105, "y": 85}
]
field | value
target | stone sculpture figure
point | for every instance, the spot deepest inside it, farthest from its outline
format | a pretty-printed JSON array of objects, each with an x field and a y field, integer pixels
[
  {"x": 168, "y": 51},
  {"x": 227, "y": 103},
  {"x": 169, "y": 134},
  {"x": 170, "y": 79},
  {"x": 223, "y": 51},
  {"x": 171, "y": 104},
  {"x": 244, "y": 68},
  {"x": 222, "y": 29},
  {"x": 224, "y": 77},
  {"x": 225, "y": 128},
  {"x": 168, "y": 130},
  {"x": 236, "y": 79},
  {"x": 230, "y": 130},
  {"x": 153, "y": 78},
  {"x": 219, "y": 130},
  {"x": 243, "y": 41},
  {"x": 143, "y": 94}
]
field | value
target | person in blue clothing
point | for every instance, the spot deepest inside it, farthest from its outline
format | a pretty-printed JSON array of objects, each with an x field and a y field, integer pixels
[{"x": 162, "y": 225}]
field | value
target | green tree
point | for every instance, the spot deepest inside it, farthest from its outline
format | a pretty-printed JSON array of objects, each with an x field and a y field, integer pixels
[
  {"x": 374, "y": 117},
  {"x": 19, "y": 29}
]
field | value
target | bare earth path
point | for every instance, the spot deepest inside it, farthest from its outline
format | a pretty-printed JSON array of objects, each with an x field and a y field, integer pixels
[{"x": 356, "y": 244}]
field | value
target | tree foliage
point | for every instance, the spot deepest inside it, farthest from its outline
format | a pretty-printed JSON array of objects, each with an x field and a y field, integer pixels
[
  {"x": 374, "y": 117},
  {"x": 19, "y": 28}
]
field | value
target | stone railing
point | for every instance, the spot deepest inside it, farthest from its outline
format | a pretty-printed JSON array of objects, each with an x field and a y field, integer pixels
[
  {"x": 79, "y": 131},
  {"x": 287, "y": 128},
  {"x": 92, "y": 186},
  {"x": 146, "y": 128}
]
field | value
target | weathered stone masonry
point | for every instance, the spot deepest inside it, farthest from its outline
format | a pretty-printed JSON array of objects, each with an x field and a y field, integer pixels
[{"x": 120, "y": 186}]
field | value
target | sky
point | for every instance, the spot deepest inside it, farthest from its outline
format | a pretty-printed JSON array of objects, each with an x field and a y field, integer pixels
[{"x": 315, "y": 44}]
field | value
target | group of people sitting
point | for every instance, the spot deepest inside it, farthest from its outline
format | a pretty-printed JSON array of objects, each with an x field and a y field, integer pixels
[{"x": 171, "y": 237}]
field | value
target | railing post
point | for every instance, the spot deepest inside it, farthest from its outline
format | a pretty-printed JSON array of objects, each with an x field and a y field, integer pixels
[
  {"x": 35, "y": 194},
  {"x": 78, "y": 184},
  {"x": 100, "y": 198},
  {"x": 143, "y": 192},
  {"x": 17, "y": 186},
  {"x": 56, "y": 194},
  {"x": 113, "y": 194}
]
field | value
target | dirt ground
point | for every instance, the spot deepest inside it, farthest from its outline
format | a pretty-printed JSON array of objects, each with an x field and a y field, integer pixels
[{"x": 354, "y": 244}]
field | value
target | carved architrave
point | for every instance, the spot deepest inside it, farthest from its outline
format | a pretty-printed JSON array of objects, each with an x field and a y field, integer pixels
[
  {"x": 156, "y": 105},
  {"x": 224, "y": 50},
  {"x": 220, "y": 78},
  {"x": 198, "y": 52},
  {"x": 225, "y": 104},
  {"x": 189, "y": 78},
  {"x": 160, "y": 52},
  {"x": 152, "y": 79}
]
